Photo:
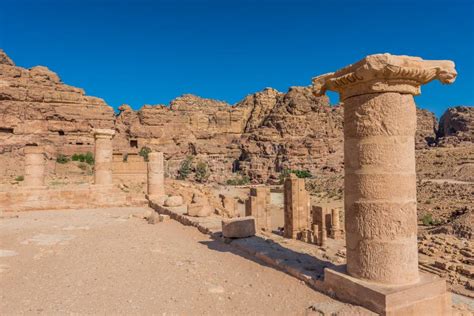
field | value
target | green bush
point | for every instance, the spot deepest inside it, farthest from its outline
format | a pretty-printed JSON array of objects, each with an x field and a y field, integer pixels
[
  {"x": 202, "y": 172},
  {"x": 242, "y": 180},
  {"x": 428, "y": 220},
  {"x": 299, "y": 173},
  {"x": 62, "y": 159},
  {"x": 185, "y": 168},
  {"x": 87, "y": 158},
  {"x": 144, "y": 152},
  {"x": 20, "y": 178}
]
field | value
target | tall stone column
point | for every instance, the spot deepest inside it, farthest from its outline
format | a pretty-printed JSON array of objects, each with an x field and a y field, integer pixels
[
  {"x": 103, "y": 156},
  {"x": 379, "y": 162},
  {"x": 296, "y": 207},
  {"x": 156, "y": 175},
  {"x": 34, "y": 166}
]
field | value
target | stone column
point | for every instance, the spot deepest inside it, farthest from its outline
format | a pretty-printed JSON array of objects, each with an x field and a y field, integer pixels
[
  {"x": 336, "y": 231},
  {"x": 156, "y": 174},
  {"x": 257, "y": 206},
  {"x": 296, "y": 204},
  {"x": 103, "y": 156},
  {"x": 379, "y": 162},
  {"x": 34, "y": 166}
]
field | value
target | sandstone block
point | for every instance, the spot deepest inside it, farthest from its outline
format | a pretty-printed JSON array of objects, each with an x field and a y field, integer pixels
[
  {"x": 200, "y": 210},
  {"x": 238, "y": 227},
  {"x": 174, "y": 200}
]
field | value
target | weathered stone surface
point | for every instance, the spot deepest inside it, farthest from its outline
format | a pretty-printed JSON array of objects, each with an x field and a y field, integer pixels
[
  {"x": 261, "y": 135},
  {"x": 380, "y": 180},
  {"x": 37, "y": 108},
  {"x": 200, "y": 209},
  {"x": 241, "y": 227},
  {"x": 456, "y": 126},
  {"x": 174, "y": 200}
]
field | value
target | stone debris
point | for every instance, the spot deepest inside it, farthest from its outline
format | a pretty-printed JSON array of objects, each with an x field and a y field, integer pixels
[
  {"x": 174, "y": 200},
  {"x": 238, "y": 227}
]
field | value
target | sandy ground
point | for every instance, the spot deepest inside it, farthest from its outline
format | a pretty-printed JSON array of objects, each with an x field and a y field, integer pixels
[{"x": 106, "y": 261}]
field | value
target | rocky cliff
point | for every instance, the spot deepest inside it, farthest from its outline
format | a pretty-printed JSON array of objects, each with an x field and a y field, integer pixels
[
  {"x": 260, "y": 136},
  {"x": 456, "y": 126},
  {"x": 37, "y": 108}
]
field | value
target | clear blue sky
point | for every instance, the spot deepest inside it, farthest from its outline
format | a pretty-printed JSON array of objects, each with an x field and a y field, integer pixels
[{"x": 149, "y": 52}]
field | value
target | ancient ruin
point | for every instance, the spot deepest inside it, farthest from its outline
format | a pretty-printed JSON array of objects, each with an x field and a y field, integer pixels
[
  {"x": 257, "y": 206},
  {"x": 368, "y": 200},
  {"x": 297, "y": 204},
  {"x": 380, "y": 183}
]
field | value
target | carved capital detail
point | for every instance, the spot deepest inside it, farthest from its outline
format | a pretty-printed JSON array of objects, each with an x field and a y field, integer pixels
[{"x": 385, "y": 73}]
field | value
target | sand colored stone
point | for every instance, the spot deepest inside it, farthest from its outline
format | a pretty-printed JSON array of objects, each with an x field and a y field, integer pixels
[
  {"x": 156, "y": 174},
  {"x": 34, "y": 166},
  {"x": 296, "y": 207},
  {"x": 257, "y": 206},
  {"x": 238, "y": 227},
  {"x": 379, "y": 163},
  {"x": 103, "y": 156},
  {"x": 321, "y": 222}
]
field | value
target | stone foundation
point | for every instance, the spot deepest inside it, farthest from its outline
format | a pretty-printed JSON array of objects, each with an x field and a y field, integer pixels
[
  {"x": 93, "y": 196},
  {"x": 428, "y": 296}
]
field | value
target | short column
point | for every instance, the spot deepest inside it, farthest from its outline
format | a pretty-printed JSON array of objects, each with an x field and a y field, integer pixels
[
  {"x": 156, "y": 174},
  {"x": 34, "y": 166},
  {"x": 103, "y": 156}
]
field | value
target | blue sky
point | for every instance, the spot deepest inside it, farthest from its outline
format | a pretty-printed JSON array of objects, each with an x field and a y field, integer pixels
[{"x": 149, "y": 52}]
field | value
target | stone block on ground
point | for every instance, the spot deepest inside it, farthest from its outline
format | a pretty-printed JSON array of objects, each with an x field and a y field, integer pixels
[
  {"x": 238, "y": 227},
  {"x": 174, "y": 200},
  {"x": 200, "y": 210}
]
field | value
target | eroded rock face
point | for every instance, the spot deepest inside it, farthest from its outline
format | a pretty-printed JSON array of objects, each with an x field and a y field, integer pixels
[
  {"x": 456, "y": 126},
  {"x": 260, "y": 136},
  {"x": 426, "y": 127},
  {"x": 37, "y": 108},
  {"x": 301, "y": 132}
]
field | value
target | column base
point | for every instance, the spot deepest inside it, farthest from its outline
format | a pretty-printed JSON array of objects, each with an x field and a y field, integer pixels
[{"x": 426, "y": 297}]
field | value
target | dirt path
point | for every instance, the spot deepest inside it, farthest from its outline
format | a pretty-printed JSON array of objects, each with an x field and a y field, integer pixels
[{"x": 105, "y": 261}]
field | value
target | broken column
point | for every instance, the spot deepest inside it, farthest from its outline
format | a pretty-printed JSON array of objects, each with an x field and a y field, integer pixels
[
  {"x": 156, "y": 175},
  {"x": 34, "y": 166},
  {"x": 380, "y": 184},
  {"x": 321, "y": 223},
  {"x": 257, "y": 206},
  {"x": 296, "y": 204},
  {"x": 336, "y": 232},
  {"x": 103, "y": 156}
]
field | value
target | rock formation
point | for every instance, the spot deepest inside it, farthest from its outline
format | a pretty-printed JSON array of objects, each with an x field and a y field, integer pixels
[
  {"x": 37, "y": 108},
  {"x": 260, "y": 136},
  {"x": 456, "y": 126}
]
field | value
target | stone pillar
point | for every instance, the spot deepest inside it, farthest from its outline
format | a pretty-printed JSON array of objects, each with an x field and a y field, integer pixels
[
  {"x": 296, "y": 204},
  {"x": 379, "y": 162},
  {"x": 321, "y": 220},
  {"x": 336, "y": 231},
  {"x": 34, "y": 166},
  {"x": 103, "y": 156},
  {"x": 257, "y": 206},
  {"x": 156, "y": 175}
]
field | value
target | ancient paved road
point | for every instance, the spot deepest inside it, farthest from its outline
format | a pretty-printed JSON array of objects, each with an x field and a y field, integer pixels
[{"x": 105, "y": 261}]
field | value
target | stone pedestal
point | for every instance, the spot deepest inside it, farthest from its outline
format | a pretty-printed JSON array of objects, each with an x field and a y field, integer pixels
[
  {"x": 380, "y": 178},
  {"x": 34, "y": 167},
  {"x": 103, "y": 156},
  {"x": 156, "y": 175},
  {"x": 296, "y": 203}
]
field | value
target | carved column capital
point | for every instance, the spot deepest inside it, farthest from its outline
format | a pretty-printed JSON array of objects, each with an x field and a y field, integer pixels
[{"x": 385, "y": 73}]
